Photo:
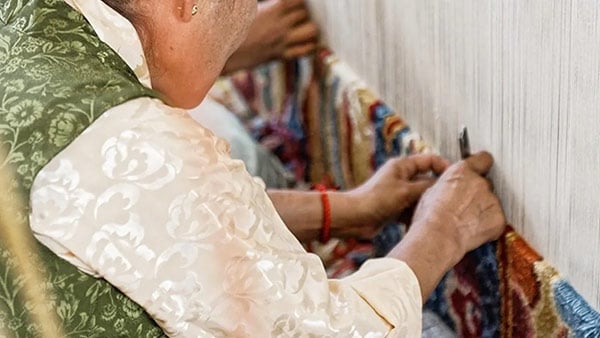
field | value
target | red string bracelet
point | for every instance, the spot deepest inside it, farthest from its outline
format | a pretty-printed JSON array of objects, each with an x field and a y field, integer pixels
[{"x": 326, "y": 227}]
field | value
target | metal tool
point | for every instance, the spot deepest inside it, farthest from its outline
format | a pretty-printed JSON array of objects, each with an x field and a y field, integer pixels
[{"x": 464, "y": 143}]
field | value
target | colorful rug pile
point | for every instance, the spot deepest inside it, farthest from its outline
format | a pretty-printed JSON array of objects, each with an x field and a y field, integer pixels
[{"x": 327, "y": 127}]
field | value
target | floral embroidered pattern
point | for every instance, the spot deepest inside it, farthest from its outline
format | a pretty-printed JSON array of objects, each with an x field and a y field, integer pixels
[{"x": 56, "y": 78}]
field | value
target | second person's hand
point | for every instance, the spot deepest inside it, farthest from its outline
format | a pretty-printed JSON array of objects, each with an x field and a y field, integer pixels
[{"x": 396, "y": 186}]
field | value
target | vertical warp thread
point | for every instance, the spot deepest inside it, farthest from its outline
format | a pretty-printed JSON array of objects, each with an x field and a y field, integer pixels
[{"x": 523, "y": 76}]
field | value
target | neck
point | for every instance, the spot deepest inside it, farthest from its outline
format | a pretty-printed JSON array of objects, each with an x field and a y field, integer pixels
[
  {"x": 180, "y": 88},
  {"x": 181, "y": 73}
]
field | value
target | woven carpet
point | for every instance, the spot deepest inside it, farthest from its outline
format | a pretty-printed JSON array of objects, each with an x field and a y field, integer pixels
[{"x": 327, "y": 127}]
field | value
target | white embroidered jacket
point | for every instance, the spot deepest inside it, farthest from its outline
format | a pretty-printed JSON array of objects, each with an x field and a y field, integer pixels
[{"x": 152, "y": 202}]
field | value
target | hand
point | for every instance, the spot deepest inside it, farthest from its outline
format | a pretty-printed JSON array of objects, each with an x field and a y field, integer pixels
[
  {"x": 458, "y": 214},
  {"x": 462, "y": 207},
  {"x": 282, "y": 30},
  {"x": 359, "y": 213},
  {"x": 396, "y": 186}
]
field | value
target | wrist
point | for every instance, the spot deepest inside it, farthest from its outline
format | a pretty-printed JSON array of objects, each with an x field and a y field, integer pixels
[
  {"x": 447, "y": 246},
  {"x": 325, "y": 233},
  {"x": 428, "y": 255},
  {"x": 358, "y": 208}
]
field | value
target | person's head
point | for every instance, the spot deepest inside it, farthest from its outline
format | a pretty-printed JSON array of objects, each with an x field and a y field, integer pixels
[{"x": 187, "y": 42}]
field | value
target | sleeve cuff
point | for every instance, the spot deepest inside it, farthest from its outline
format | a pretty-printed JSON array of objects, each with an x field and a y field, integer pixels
[{"x": 391, "y": 288}]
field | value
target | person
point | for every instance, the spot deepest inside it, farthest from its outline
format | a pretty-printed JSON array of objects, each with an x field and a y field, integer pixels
[{"x": 126, "y": 188}]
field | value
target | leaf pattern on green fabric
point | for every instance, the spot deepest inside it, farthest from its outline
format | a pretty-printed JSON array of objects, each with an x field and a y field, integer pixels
[{"x": 56, "y": 79}]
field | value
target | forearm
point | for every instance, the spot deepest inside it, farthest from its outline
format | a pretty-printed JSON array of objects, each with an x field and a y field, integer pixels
[
  {"x": 302, "y": 211},
  {"x": 429, "y": 254}
]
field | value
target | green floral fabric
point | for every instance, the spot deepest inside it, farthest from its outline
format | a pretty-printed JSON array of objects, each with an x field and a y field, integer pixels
[{"x": 56, "y": 78}]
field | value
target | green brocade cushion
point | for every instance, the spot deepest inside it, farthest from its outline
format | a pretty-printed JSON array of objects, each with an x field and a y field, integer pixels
[{"x": 56, "y": 79}]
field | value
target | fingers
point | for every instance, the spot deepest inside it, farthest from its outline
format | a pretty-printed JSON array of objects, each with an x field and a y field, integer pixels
[
  {"x": 305, "y": 32},
  {"x": 417, "y": 188},
  {"x": 493, "y": 219},
  {"x": 480, "y": 163},
  {"x": 420, "y": 164},
  {"x": 302, "y": 40},
  {"x": 295, "y": 18},
  {"x": 293, "y": 4},
  {"x": 302, "y": 37},
  {"x": 300, "y": 50},
  {"x": 490, "y": 184}
]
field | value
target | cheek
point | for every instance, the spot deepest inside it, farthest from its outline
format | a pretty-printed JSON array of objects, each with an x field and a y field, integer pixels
[
  {"x": 244, "y": 18},
  {"x": 252, "y": 8},
  {"x": 249, "y": 9}
]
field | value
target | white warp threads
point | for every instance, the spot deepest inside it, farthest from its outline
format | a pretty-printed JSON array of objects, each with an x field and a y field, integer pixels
[{"x": 524, "y": 76}]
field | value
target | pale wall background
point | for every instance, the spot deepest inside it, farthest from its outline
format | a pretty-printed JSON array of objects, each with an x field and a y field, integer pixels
[{"x": 524, "y": 76}]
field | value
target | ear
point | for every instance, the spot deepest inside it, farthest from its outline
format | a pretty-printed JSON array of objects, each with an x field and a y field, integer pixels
[{"x": 185, "y": 9}]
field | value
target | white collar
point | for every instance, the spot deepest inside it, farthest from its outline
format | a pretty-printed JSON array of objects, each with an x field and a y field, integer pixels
[{"x": 117, "y": 32}]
